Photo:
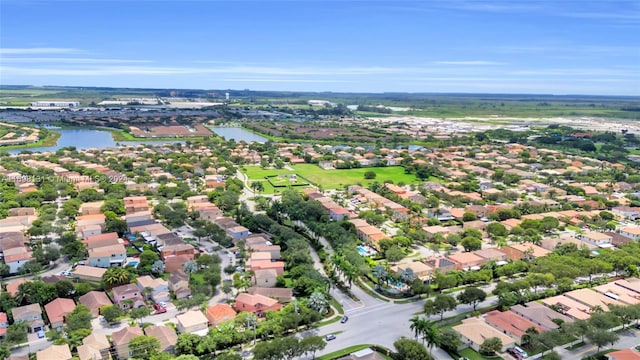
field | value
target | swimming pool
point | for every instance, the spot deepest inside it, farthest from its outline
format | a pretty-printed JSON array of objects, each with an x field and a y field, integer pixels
[
  {"x": 133, "y": 263},
  {"x": 362, "y": 250}
]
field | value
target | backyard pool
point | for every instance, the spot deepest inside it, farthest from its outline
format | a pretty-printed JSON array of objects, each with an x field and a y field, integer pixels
[
  {"x": 133, "y": 263},
  {"x": 362, "y": 250}
]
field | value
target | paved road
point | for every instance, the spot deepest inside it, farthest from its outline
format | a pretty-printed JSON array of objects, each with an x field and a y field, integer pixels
[
  {"x": 381, "y": 324},
  {"x": 628, "y": 339}
]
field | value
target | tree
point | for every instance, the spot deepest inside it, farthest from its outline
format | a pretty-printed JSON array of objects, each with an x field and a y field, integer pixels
[
  {"x": 472, "y": 296},
  {"x": 450, "y": 340},
  {"x": 469, "y": 216},
  {"x": 431, "y": 334},
  {"x": 491, "y": 346},
  {"x": 602, "y": 337},
  {"x": 111, "y": 313},
  {"x": 115, "y": 276},
  {"x": 257, "y": 186},
  {"x": 471, "y": 243},
  {"x": 394, "y": 254},
  {"x": 79, "y": 318},
  {"x": 439, "y": 305},
  {"x": 190, "y": 267},
  {"x": 158, "y": 267},
  {"x": 139, "y": 313},
  {"x": 312, "y": 344},
  {"x": 369, "y": 175},
  {"x": 318, "y": 302},
  {"x": 65, "y": 289},
  {"x": 407, "y": 349},
  {"x": 17, "y": 333},
  {"x": 5, "y": 352},
  {"x": 380, "y": 272},
  {"x": 144, "y": 347},
  {"x": 496, "y": 230}
]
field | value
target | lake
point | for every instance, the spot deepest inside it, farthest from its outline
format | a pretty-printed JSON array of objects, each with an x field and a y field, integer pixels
[
  {"x": 238, "y": 134},
  {"x": 86, "y": 139}
]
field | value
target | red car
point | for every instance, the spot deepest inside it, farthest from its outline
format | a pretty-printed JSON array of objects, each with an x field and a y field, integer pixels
[{"x": 159, "y": 309}]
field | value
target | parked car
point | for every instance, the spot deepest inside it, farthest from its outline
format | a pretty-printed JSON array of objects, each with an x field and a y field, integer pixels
[
  {"x": 344, "y": 319},
  {"x": 41, "y": 334},
  {"x": 513, "y": 352},
  {"x": 329, "y": 337},
  {"x": 160, "y": 311}
]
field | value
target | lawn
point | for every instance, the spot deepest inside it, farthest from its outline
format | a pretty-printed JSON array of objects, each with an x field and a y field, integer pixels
[
  {"x": 335, "y": 179},
  {"x": 473, "y": 355}
]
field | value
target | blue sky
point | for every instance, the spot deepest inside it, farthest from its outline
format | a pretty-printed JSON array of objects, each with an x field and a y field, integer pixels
[{"x": 559, "y": 47}]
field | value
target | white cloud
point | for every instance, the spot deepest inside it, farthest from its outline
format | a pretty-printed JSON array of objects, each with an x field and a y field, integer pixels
[{"x": 37, "y": 50}]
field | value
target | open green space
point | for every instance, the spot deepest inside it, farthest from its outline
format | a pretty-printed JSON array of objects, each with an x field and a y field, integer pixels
[
  {"x": 286, "y": 180},
  {"x": 335, "y": 179}
]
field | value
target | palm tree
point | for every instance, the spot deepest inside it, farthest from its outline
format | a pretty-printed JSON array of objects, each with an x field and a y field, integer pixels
[
  {"x": 318, "y": 302},
  {"x": 414, "y": 325},
  {"x": 407, "y": 275},
  {"x": 380, "y": 272},
  {"x": 190, "y": 267},
  {"x": 529, "y": 336},
  {"x": 115, "y": 276},
  {"x": 430, "y": 333}
]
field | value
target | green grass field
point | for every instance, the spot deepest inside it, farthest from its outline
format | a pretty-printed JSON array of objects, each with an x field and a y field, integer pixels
[{"x": 334, "y": 179}]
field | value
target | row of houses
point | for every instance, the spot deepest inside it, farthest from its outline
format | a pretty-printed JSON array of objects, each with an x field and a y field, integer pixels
[{"x": 510, "y": 326}]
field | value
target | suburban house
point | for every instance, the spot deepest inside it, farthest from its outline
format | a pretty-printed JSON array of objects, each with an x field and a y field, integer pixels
[
  {"x": 123, "y": 293},
  {"x": 179, "y": 284},
  {"x": 517, "y": 252},
  {"x": 591, "y": 299},
  {"x": 540, "y": 315},
  {"x": 94, "y": 301},
  {"x": 31, "y": 314},
  {"x": 283, "y": 295},
  {"x": 257, "y": 304},
  {"x": 631, "y": 232},
  {"x": 159, "y": 287},
  {"x": 510, "y": 323},
  {"x": 179, "y": 249},
  {"x": 491, "y": 255},
  {"x": 595, "y": 238},
  {"x": 419, "y": 269},
  {"x": 441, "y": 264},
  {"x": 618, "y": 293},
  {"x": 278, "y": 266},
  {"x": 55, "y": 352},
  {"x": 220, "y": 313},
  {"x": 167, "y": 336},
  {"x": 567, "y": 306},
  {"x": 238, "y": 232},
  {"x": 122, "y": 338},
  {"x": 474, "y": 331},
  {"x": 467, "y": 260},
  {"x": 173, "y": 263},
  {"x": 626, "y": 354},
  {"x": 265, "y": 278},
  {"x": 89, "y": 273},
  {"x": 274, "y": 250},
  {"x": 107, "y": 256},
  {"x": 57, "y": 310},
  {"x": 193, "y": 322},
  {"x": 629, "y": 213},
  {"x": 94, "y": 347}
]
